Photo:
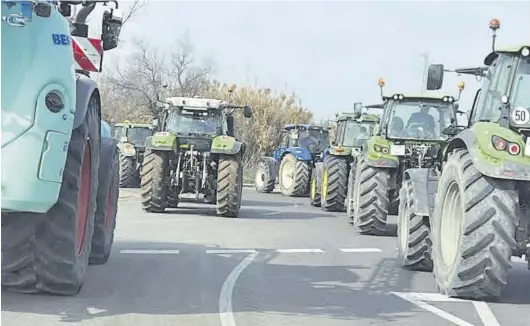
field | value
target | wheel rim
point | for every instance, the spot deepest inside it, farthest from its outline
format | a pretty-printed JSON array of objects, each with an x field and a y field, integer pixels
[
  {"x": 451, "y": 224},
  {"x": 109, "y": 211},
  {"x": 260, "y": 178},
  {"x": 324, "y": 194},
  {"x": 287, "y": 175},
  {"x": 313, "y": 188},
  {"x": 83, "y": 199},
  {"x": 404, "y": 213}
]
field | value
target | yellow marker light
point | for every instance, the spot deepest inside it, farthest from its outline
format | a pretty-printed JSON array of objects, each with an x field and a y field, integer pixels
[
  {"x": 127, "y": 122},
  {"x": 495, "y": 24},
  {"x": 381, "y": 82},
  {"x": 461, "y": 85}
]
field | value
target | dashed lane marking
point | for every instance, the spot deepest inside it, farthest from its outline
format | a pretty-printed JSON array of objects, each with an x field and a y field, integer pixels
[
  {"x": 348, "y": 250},
  {"x": 248, "y": 251},
  {"x": 296, "y": 251},
  {"x": 230, "y": 251}
]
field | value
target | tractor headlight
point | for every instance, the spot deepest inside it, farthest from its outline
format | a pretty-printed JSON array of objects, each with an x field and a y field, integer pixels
[{"x": 525, "y": 52}]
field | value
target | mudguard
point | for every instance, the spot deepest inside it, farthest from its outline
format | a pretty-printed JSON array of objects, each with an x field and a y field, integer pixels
[
  {"x": 375, "y": 157},
  {"x": 225, "y": 145},
  {"x": 424, "y": 183},
  {"x": 84, "y": 89},
  {"x": 107, "y": 152},
  {"x": 301, "y": 153},
  {"x": 126, "y": 149},
  {"x": 489, "y": 161},
  {"x": 272, "y": 164},
  {"x": 161, "y": 141}
]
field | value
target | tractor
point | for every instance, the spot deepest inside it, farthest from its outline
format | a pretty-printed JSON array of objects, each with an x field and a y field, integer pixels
[
  {"x": 292, "y": 162},
  {"x": 477, "y": 216},
  {"x": 329, "y": 180},
  {"x": 197, "y": 153},
  {"x": 131, "y": 137},
  {"x": 409, "y": 135},
  {"x": 58, "y": 161}
]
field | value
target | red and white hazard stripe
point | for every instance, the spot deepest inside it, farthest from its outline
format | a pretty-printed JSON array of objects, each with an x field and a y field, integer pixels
[{"x": 88, "y": 53}]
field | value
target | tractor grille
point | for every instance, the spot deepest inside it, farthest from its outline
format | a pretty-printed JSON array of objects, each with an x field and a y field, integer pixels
[{"x": 199, "y": 144}]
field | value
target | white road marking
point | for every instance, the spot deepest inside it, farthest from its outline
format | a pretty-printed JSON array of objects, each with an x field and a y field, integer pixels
[
  {"x": 360, "y": 250},
  {"x": 229, "y": 251},
  {"x": 271, "y": 213},
  {"x": 417, "y": 299},
  {"x": 521, "y": 260},
  {"x": 226, "y": 315},
  {"x": 485, "y": 314},
  {"x": 150, "y": 251},
  {"x": 296, "y": 251}
]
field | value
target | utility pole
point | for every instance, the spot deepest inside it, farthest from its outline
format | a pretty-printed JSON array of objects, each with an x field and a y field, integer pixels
[{"x": 425, "y": 57}]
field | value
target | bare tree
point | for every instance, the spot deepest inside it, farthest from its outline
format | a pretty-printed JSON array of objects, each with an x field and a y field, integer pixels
[{"x": 136, "y": 7}]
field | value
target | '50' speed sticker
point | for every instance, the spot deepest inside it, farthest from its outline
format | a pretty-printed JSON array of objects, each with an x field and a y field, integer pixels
[{"x": 520, "y": 116}]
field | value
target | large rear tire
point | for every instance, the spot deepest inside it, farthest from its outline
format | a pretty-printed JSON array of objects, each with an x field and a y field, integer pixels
[
  {"x": 49, "y": 252},
  {"x": 264, "y": 181},
  {"x": 473, "y": 230},
  {"x": 315, "y": 193},
  {"x": 351, "y": 196},
  {"x": 371, "y": 199},
  {"x": 294, "y": 176},
  {"x": 229, "y": 185},
  {"x": 334, "y": 184},
  {"x": 105, "y": 220},
  {"x": 155, "y": 183},
  {"x": 129, "y": 177},
  {"x": 414, "y": 244}
]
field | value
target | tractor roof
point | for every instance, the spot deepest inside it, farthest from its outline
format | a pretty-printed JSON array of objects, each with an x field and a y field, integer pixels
[
  {"x": 413, "y": 96},
  {"x": 362, "y": 118},
  {"x": 195, "y": 103},
  {"x": 291, "y": 126},
  {"x": 133, "y": 125},
  {"x": 490, "y": 58}
]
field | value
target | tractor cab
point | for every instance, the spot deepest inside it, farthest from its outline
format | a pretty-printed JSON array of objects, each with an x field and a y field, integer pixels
[
  {"x": 134, "y": 133},
  {"x": 313, "y": 138}
]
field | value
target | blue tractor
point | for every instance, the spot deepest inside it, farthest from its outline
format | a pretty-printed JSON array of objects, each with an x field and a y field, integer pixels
[{"x": 292, "y": 162}]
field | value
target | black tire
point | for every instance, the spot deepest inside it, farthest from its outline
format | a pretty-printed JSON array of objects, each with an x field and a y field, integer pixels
[
  {"x": 301, "y": 176},
  {"x": 40, "y": 251},
  {"x": 371, "y": 199},
  {"x": 393, "y": 206},
  {"x": 172, "y": 199},
  {"x": 488, "y": 211},
  {"x": 414, "y": 244},
  {"x": 350, "y": 195},
  {"x": 229, "y": 185},
  {"x": 107, "y": 208},
  {"x": 155, "y": 183},
  {"x": 264, "y": 181},
  {"x": 315, "y": 192},
  {"x": 334, "y": 184},
  {"x": 129, "y": 177}
]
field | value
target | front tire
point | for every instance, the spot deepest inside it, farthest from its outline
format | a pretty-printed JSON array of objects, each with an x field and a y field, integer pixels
[
  {"x": 229, "y": 185},
  {"x": 474, "y": 216},
  {"x": 264, "y": 181},
  {"x": 49, "y": 252},
  {"x": 334, "y": 184},
  {"x": 129, "y": 177},
  {"x": 315, "y": 193},
  {"x": 155, "y": 183},
  {"x": 371, "y": 199},
  {"x": 414, "y": 244},
  {"x": 351, "y": 196},
  {"x": 294, "y": 177}
]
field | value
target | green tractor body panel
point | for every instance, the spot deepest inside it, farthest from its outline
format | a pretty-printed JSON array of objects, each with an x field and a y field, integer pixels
[
  {"x": 375, "y": 156},
  {"x": 34, "y": 139},
  {"x": 162, "y": 141},
  {"x": 225, "y": 145},
  {"x": 490, "y": 161}
]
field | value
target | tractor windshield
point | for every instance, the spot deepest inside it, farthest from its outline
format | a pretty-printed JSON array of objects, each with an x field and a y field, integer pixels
[
  {"x": 190, "y": 121},
  {"x": 422, "y": 119},
  {"x": 521, "y": 90},
  {"x": 356, "y": 133},
  {"x": 138, "y": 135},
  {"x": 119, "y": 131},
  {"x": 315, "y": 140}
]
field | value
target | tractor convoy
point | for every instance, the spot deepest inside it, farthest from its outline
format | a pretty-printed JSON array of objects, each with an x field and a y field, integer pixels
[{"x": 461, "y": 192}]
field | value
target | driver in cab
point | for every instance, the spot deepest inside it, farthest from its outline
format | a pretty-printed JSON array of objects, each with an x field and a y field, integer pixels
[{"x": 423, "y": 117}]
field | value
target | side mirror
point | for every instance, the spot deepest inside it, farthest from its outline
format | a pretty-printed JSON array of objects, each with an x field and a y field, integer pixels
[
  {"x": 155, "y": 122},
  {"x": 112, "y": 22},
  {"x": 435, "y": 77},
  {"x": 358, "y": 108},
  {"x": 43, "y": 9},
  {"x": 247, "y": 112}
]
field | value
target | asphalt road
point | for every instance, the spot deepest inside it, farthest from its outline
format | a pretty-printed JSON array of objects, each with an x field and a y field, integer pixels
[{"x": 281, "y": 262}]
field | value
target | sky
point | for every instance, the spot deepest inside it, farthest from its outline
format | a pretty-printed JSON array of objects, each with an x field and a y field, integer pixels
[{"x": 332, "y": 53}]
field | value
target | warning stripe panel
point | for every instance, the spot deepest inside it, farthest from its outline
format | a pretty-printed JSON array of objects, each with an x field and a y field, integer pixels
[{"x": 87, "y": 53}]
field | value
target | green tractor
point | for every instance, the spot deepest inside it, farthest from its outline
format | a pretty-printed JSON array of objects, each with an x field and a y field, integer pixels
[
  {"x": 196, "y": 153},
  {"x": 410, "y": 135},
  {"x": 329, "y": 181},
  {"x": 131, "y": 145},
  {"x": 479, "y": 215}
]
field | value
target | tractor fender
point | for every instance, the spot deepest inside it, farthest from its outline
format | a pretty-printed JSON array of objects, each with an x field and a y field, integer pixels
[
  {"x": 424, "y": 183},
  {"x": 124, "y": 152},
  {"x": 226, "y": 145},
  {"x": 161, "y": 141},
  {"x": 300, "y": 153},
  {"x": 84, "y": 89},
  {"x": 272, "y": 164},
  {"x": 515, "y": 168},
  {"x": 107, "y": 152}
]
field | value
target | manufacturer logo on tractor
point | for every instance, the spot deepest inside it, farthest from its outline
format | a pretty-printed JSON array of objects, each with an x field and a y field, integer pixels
[{"x": 61, "y": 39}]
